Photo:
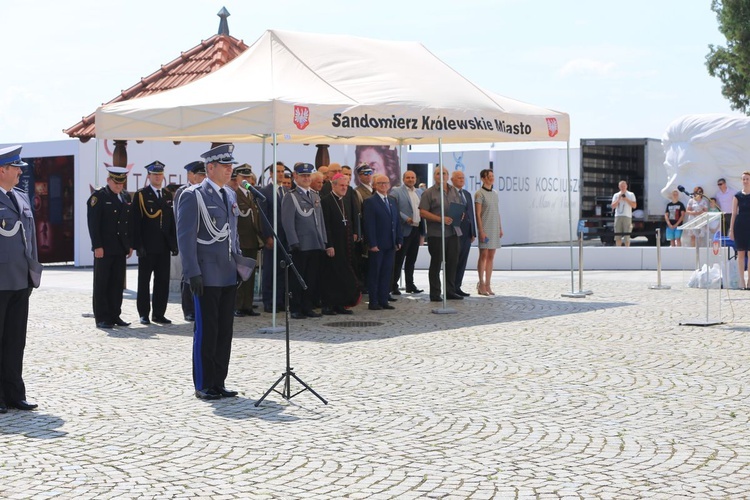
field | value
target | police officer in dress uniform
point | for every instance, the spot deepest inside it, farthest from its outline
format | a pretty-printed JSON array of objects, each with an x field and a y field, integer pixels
[
  {"x": 21, "y": 272},
  {"x": 154, "y": 239},
  {"x": 249, "y": 232},
  {"x": 110, "y": 227},
  {"x": 196, "y": 172},
  {"x": 302, "y": 218},
  {"x": 207, "y": 238}
]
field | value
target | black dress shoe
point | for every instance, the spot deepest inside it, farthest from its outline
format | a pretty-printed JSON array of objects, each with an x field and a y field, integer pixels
[
  {"x": 375, "y": 307},
  {"x": 395, "y": 291},
  {"x": 250, "y": 312},
  {"x": 239, "y": 314},
  {"x": 342, "y": 310},
  {"x": 312, "y": 314},
  {"x": 462, "y": 293},
  {"x": 387, "y": 306},
  {"x": 120, "y": 322},
  {"x": 24, "y": 405},
  {"x": 298, "y": 316},
  {"x": 207, "y": 394},
  {"x": 391, "y": 299},
  {"x": 162, "y": 320},
  {"x": 190, "y": 317},
  {"x": 104, "y": 324},
  {"x": 328, "y": 311},
  {"x": 413, "y": 289},
  {"x": 226, "y": 393},
  {"x": 453, "y": 296},
  {"x": 144, "y": 320},
  {"x": 435, "y": 298},
  {"x": 3, "y": 408}
]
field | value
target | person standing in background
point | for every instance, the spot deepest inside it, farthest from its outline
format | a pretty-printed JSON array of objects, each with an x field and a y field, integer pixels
[
  {"x": 489, "y": 228},
  {"x": 429, "y": 209},
  {"x": 110, "y": 227},
  {"x": 248, "y": 231},
  {"x": 21, "y": 273},
  {"x": 739, "y": 229},
  {"x": 383, "y": 231},
  {"x": 674, "y": 215},
  {"x": 196, "y": 172},
  {"x": 302, "y": 218},
  {"x": 412, "y": 226},
  {"x": 623, "y": 203},
  {"x": 725, "y": 199},
  {"x": 154, "y": 239},
  {"x": 468, "y": 229}
]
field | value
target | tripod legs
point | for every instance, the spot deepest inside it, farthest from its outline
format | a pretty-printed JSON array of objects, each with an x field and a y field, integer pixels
[{"x": 286, "y": 391}]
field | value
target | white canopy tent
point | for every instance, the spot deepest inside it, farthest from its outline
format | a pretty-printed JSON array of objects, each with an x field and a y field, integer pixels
[
  {"x": 331, "y": 88},
  {"x": 315, "y": 88}
]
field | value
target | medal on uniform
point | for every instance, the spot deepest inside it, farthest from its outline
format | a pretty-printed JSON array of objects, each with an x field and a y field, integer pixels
[{"x": 213, "y": 221}]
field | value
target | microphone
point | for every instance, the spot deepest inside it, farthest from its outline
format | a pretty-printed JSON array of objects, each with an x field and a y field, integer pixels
[
  {"x": 252, "y": 189},
  {"x": 681, "y": 189}
]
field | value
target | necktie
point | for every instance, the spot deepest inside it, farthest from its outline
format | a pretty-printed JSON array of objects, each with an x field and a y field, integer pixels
[
  {"x": 387, "y": 205},
  {"x": 13, "y": 200},
  {"x": 223, "y": 196},
  {"x": 158, "y": 194}
]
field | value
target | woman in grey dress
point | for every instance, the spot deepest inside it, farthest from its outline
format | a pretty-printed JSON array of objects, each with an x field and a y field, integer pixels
[{"x": 489, "y": 228}]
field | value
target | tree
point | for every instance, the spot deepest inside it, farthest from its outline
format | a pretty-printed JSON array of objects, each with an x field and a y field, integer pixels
[{"x": 732, "y": 63}]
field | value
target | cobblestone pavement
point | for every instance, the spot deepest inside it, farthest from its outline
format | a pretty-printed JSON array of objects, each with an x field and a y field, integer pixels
[{"x": 524, "y": 395}]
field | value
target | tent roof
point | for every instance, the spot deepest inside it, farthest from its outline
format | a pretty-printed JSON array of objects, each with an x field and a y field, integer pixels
[{"x": 332, "y": 88}]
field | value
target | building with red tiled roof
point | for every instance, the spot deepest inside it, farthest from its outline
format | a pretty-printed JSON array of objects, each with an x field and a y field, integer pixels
[{"x": 204, "y": 58}]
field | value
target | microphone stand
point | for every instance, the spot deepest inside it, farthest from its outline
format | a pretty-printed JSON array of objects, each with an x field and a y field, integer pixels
[{"x": 288, "y": 374}]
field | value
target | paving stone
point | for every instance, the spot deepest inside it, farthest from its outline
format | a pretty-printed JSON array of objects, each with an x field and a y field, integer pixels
[{"x": 523, "y": 395}]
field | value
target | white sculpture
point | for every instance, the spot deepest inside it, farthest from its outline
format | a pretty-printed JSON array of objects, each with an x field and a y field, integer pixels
[{"x": 703, "y": 148}]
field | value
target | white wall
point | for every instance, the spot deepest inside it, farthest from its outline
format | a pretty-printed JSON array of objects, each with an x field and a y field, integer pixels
[{"x": 533, "y": 186}]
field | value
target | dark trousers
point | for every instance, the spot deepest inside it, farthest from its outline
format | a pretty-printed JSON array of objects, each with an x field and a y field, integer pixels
[
  {"x": 246, "y": 289},
  {"x": 109, "y": 281},
  {"x": 379, "y": 278},
  {"x": 267, "y": 280},
  {"x": 308, "y": 264},
  {"x": 406, "y": 257},
  {"x": 186, "y": 297},
  {"x": 212, "y": 336},
  {"x": 464, "y": 245},
  {"x": 434, "y": 246},
  {"x": 158, "y": 265},
  {"x": 14, "y": 314}
]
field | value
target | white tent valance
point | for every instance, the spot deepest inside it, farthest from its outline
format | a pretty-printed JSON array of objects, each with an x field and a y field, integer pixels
[{"x": 313, "y": 88}]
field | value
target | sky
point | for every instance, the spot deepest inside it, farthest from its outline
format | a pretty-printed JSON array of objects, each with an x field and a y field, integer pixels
[{"x": 619, "y": 69}]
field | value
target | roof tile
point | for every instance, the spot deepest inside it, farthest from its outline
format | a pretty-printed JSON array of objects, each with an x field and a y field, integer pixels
[{"x": 204, "y": 58}]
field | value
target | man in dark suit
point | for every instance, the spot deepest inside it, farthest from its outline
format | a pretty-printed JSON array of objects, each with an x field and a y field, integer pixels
[
  {"x": 154, "y": 239},
  {"x": 412, "y": 229},
  {"x": 272, "y": 192},
  {"x": 20, "y": 271},
  {"x": 383, "y": 236},
  {"x": 208, "y": 242},
  {"x": 110, "y": 228},
  {"x": 468, "y": 229},
  {"x": 196, "y": 172},
  {"x": 305, "y": 230}
]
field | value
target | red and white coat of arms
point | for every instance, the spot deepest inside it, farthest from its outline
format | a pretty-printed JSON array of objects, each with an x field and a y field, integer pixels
[
  {"x": 301, "y": 117},
  {"x": 552, "y": 126}
]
